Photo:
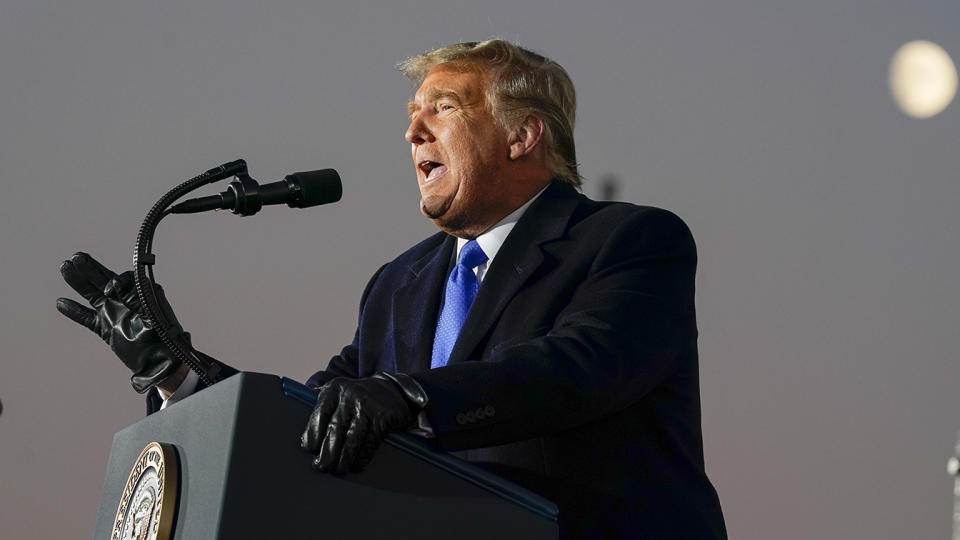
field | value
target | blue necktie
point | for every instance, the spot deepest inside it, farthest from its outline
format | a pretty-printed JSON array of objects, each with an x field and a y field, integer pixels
[{"x": 462, "y": 287}]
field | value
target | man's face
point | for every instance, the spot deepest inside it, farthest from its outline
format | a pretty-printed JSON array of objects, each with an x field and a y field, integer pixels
[{"x": 460, "y": 152}]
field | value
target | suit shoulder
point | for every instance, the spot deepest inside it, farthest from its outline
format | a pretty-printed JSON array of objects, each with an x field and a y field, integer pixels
[{"x": 638, "y": 222}]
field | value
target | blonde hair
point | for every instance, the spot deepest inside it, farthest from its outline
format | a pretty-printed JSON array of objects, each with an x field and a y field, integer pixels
[{"x": 522, "y": 83}]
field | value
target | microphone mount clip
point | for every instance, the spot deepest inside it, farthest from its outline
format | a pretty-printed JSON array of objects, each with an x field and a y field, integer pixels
[{"x": 246, "y": 194}]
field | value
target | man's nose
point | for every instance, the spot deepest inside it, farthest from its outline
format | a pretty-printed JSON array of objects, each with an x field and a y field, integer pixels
[{"x": 418, "y": 132}]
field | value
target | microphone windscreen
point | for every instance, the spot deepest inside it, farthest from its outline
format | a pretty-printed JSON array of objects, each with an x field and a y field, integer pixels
[{"x": 317, "y": 187}]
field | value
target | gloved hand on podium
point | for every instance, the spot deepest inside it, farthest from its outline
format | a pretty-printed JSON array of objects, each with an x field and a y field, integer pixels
[{"x": 352, "y": 417}]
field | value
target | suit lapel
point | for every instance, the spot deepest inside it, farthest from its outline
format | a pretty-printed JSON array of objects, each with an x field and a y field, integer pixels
[
  {"x": 520, "y": 255},
  {"x": 416, "y": 301}
]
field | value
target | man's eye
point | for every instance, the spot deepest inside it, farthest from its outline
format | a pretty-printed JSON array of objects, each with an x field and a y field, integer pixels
[{"x": 445, "y": 107}]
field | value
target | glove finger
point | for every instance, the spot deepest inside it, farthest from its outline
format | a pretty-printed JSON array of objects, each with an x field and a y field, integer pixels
[
  {"x": 86, "y": 276},
  {"x": 356, "y": 437},
  {"x": 316, "y": 429},
  {"x": 333, "y": 442},
  {"x": 366, "y": 452},
  {"x": 78, "y": 313},
  {"x": 121, "y": 288}
]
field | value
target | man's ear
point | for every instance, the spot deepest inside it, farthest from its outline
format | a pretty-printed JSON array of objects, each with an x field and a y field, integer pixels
[{"x": 525, "y": 137}]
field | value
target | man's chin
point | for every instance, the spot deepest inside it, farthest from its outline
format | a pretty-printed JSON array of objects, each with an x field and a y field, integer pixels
[
  {"x": 434, "y": 209},
  {"x": 451, "y": 222}
]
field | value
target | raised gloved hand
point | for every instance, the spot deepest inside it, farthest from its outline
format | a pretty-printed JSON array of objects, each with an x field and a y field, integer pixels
[
  {"x": 352, "y": 417},
  {"x": 116, "y": 318}
]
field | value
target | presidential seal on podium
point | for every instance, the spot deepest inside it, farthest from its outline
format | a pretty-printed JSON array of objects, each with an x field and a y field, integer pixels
[{"x": 149, "y": 499}]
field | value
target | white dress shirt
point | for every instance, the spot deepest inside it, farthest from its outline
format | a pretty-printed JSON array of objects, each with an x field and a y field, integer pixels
[{"x": 495, "y": 236}]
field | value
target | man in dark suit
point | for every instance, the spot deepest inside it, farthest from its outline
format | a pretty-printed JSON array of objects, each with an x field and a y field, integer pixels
[{"x": 546, "y": 337}]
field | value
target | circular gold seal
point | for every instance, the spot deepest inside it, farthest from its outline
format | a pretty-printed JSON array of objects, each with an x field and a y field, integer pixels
[{"x": 150, "y": 497}]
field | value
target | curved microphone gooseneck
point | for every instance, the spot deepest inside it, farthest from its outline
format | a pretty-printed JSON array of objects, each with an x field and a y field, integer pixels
[
  {"x": 143, "y": 261},
  {"x": 245, "y": 197}
]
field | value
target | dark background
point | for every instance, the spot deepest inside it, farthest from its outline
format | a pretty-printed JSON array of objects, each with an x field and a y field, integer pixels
[{"x": 825, "y": 220}]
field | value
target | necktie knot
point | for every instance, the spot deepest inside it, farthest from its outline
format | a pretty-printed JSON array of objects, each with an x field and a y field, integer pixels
[{"x": 472, "y": 255}]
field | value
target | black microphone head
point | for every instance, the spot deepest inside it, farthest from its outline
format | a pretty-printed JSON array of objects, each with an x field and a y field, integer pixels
[{"x": 316, "y": 187}]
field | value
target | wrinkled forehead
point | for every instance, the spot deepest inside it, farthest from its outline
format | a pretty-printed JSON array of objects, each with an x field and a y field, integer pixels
[{"x": 468, "y": 82}]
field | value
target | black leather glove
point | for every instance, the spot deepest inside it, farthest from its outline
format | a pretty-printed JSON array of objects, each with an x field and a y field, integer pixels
[
  {"x": 352, "y": 417},
  {"x": 116, "y": 319}
]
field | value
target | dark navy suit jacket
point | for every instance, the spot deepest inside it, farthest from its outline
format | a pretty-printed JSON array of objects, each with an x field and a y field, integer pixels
[{"x": 575, "y": 373}]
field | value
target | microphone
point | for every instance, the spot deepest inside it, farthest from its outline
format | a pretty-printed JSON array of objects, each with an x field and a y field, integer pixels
[{"x": 244, "y": 196}]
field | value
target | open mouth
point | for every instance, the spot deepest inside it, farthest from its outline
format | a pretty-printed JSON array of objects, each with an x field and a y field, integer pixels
[{"x": 432, "y": 170}]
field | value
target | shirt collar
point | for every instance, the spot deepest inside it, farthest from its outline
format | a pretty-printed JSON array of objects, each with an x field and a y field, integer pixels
[{"x": 495, "y": 236}]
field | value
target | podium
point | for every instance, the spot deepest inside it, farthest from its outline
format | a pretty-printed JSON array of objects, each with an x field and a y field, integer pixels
[{"x": 242, "y": 474}]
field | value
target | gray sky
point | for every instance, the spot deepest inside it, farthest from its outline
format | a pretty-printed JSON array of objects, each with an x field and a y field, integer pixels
[{"x": 825, "y": 220}]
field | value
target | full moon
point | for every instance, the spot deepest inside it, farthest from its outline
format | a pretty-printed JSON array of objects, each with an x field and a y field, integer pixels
[{"x": 923, "y": 79}]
